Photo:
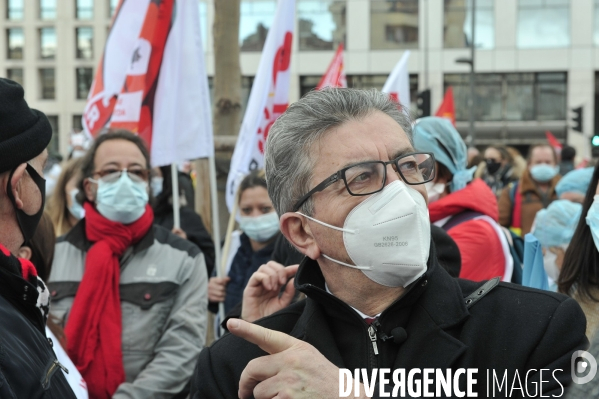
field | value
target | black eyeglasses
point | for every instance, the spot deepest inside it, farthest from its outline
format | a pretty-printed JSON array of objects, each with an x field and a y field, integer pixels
[{"x": 367, "y": 178}]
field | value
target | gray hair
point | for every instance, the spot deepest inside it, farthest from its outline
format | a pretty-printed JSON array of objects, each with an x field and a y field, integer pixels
[{"x": 288, "y": 158}]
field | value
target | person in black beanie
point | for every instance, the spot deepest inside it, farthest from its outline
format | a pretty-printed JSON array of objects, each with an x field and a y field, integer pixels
[{"x": 28, "y": 365}]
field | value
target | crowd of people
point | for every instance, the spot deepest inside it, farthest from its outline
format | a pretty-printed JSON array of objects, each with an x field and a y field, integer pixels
[{"x": 369, "y": 241}]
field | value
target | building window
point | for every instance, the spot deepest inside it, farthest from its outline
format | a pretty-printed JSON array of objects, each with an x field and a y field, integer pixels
[
  {"x": 15, "y": 40},
  {"x": 255, "y": 20},
  {"x": 77, "y": 123},
  {"x": 321, "y": 24},
  {"x": 15, "y": 74},
  {"x": 309, "y": 83},
  {"x": 53, "y": 147},
  {"x": 543, "y": 24},
  {"x": 47, "y": 9},
  {"x": 511, "y": 97},
  {"x": 596, "y": 24},
  {"x": 85, "y": 78},
  {"x": 47, "y": 43},
  {"x": 14, "y": 9},
  {"x": 112, "y": 7},
  {"x": 458, "y": 24},
  {"x": 85, "y": 9},
  {"x": 393, "y": 24},
  {"x": 47, "y": 83},
  {"x": 85, "y": 38}
]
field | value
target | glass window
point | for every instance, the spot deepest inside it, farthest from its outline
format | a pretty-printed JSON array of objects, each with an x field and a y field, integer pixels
[
  {"x": 112, "y": 7},
  {"x": 15, "y": 41},
  {"x": 85, "y": 78},
  {"x": 77, "y": 125},
  {"x": 85, "y": 38},
  {"x": 543, "y": 24},
  {"x": 458, "y": 24},
  {"x": 48, "y": 84},
  {"x": 511, "y": 97},
  {"x": 596, "y": 24},
  {"x": 321, "y": 24},
  {"x": 393, "y": 24},
  {"x": 53, "y": 147},
  {"x": 255, "y": 20},
  {"x": 15, "y": 74},
  {"x": 85, "y": 9},
  {"x": 14, "y": 9},
  {"x": 47, "y": 43},
  {"x": 47, "y": 9},
  {"x": 246, "y": 88}
]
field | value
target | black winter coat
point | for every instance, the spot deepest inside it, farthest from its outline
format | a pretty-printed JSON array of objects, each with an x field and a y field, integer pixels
[
  {"x": 511, "y": 329},
  {"x": 28, "y": 365}
]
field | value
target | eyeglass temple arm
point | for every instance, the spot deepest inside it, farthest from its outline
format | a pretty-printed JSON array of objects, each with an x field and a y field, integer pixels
[{"x": 330, "y": 180}]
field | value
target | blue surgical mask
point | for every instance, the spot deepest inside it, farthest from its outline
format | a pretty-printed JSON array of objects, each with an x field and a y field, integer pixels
[
  {"x": 260, "y": 228},
  {"x": 543, "y": 172},
  {"x": 76, "y": 209},
  {"x": 592, "y": 220},
  {"x": 123, "y": 201},
  {"x": 156, "y": 185}
]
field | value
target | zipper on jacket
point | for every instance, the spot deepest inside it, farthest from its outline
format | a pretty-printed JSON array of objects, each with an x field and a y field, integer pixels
[
  {"x": 372, "y": 336},
  {"x": 54, "y": 367}
]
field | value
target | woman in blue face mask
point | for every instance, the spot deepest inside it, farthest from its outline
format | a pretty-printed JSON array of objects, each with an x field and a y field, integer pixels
[
  {"x": 250, "y": 248},
  {"x": 64, "y": 207},
  {"x": 579, "y": 277}
]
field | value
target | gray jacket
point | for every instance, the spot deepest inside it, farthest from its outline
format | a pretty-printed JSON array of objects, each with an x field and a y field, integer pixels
[{"x": 163, "y": 290}]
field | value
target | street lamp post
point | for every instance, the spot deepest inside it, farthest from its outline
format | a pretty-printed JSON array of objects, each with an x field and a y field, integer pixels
[{"x": 470, "y": 139}]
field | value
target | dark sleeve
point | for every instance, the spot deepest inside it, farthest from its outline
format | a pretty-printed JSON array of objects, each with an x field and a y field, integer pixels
[
  {"x": 564, "y": 335},
  {"x": 204, "y": 383},
  {"x": 196, "y": 232},
  {"x": 186, "y": 185}
]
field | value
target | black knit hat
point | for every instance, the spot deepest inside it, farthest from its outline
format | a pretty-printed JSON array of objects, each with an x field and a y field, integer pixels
[{"x": 24, "y": 132}]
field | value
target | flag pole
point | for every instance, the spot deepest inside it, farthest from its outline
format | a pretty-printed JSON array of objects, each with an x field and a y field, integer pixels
[{"x": 175, "y": 186}]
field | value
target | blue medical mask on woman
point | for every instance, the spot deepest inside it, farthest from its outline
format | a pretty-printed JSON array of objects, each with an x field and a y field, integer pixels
[
  {"x": 123, "y": 200},
  {"x": 592, "y": 220},
  {"x": 76, "y": 209},
  {"x": 260, "y": 228},
  {"x": 543, "y": 172}
]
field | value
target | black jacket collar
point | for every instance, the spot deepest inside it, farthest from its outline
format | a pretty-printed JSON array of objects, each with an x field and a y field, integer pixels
[{"x": 77, "y": 237}]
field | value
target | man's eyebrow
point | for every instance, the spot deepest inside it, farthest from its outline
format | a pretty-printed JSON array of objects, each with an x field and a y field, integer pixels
[
  {"x": 398, "y": 154},
  {"x": 402, "y": 152}
]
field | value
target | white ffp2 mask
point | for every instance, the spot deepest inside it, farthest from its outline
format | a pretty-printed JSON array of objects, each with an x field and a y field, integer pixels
[{"x": 387, "y": 236}]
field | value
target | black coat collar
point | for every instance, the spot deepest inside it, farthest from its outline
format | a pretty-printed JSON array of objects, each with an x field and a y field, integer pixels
[{"x": 437, "y": 307}]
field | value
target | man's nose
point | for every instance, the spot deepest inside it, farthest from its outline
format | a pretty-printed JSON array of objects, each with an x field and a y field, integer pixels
[{"x": 392, "y": 174}]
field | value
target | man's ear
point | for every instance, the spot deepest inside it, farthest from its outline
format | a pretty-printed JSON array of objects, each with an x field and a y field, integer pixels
[
  {"x": 15, "y": 183},
  {"x": 25, "y": 253},
  {"x": 297, "y": 231},
  {"x": 90, "y": 189}
]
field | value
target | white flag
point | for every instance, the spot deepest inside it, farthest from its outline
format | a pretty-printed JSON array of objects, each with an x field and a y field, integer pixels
[
  {"x": 182, "y": 122},
  {"x": 398, "y": 83},
  {"x": 269, "y": 98}
]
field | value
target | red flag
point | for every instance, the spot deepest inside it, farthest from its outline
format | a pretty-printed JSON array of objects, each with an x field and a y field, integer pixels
[
  {"x": 553, "y": 142},
  {"x": 335, "y": 74},
  {"x": 447, "y": 107}
]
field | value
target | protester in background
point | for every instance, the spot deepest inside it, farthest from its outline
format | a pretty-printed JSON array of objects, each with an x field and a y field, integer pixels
[
  {"x": 40, "y": 251},
  {"x": 567, "y": 160},
  {"x": 26, "y": 353},
  {"x": 192, "y": 226},
  {"x": 474, "y": 157},
  {"x": 574, "y": 185},
  {"x": 496, "y": 170},
  {"x": 343, "y": 176},
  {"x": 465, "y": 208},
  {"x": 131, "y": 294},
  {"x": 63, "y": 207},
  {"x": 579, "y": 277},
  {"x": 259, "y": 226},
  {"x": 554, "y": 228},
  {"x": 520, "y": 202},
  {"x": 518, "y": 162},
  {"x": 78, "y": 145}
]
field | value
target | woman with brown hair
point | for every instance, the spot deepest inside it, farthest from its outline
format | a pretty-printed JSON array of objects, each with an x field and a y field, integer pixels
[{"x": 64, "y": 210}]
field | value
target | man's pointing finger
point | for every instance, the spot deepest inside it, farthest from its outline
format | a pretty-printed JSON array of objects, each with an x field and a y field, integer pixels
[{"x": 268, "y": 340}]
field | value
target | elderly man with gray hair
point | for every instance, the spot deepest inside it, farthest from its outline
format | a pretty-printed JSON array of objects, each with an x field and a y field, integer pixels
[{"x": 348, "y": 187}]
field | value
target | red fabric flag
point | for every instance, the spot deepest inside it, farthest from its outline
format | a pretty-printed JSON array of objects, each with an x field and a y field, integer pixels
[
  {"x": 447, "y": 107},
  {"x": 335, "y": 74},
  {"x": 553, "y": 142}
]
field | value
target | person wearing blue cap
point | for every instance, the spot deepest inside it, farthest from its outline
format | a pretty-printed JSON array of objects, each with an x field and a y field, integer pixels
[
  {"x": 465, "y": 207},
  {"x": 574, "y": 185},
  {"x": 554, "y": 228},
  {"x": 520, "y": 202}
]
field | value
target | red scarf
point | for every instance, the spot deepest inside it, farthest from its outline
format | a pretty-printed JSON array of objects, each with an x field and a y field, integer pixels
[{"x": 94, "y": 328}]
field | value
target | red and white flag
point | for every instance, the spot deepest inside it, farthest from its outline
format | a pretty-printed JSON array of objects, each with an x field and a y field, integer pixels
[
  {"x": 152, "y": 80},
  {"x": 447, "y": 107},
  {"x": 398, "y": 82},
  {"x": 268, "y": 100},
  {"x": 335, "y": 74},
  {"x": 553, "y": 142}
]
